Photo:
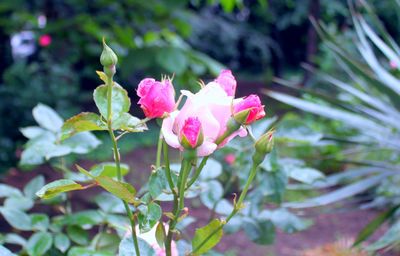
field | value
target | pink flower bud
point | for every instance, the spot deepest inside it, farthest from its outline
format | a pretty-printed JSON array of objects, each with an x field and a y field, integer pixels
[
  {"x": 156, "y": 98},
  {"x": 191, "y": 135},
  {"x": 230, "y": 159},
  {"x": 251, "y": 107},
  {"x": 227, "y": 81},
  {"x": 44, "y": 40}
]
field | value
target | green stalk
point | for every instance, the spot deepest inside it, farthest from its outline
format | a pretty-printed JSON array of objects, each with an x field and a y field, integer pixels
[
  {"x": 167, "y": 169},
  {"x": 197, "y": 172},
  {"x": 235, "y": 210},
  {"x": 159, "y": 148},
  {"x": 178, "y": 205},
  {"x": 118, "y": 162}
]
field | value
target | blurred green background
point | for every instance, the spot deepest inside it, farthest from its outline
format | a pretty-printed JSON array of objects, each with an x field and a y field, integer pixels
[{"x": 188, "y": 39}]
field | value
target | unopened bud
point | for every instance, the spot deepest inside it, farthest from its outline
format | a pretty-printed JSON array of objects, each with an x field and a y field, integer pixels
[
  {"x": 263, "y": 146},
  {"x": 108, "y": 58},
  {"x": 265, "y": 143}
]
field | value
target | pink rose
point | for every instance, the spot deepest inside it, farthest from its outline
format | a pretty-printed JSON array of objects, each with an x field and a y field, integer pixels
[
  {"x": 251, "y": 103},
  {"x": 191, "y": 133},
  {"x": 44, "y": 40},
  {"x": 212, "y": 106},
  {"x": 227, "y": 81},
  {"x": 156, "y": 98}
]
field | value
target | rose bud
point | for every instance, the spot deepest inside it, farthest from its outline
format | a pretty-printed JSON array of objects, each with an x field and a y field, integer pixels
[
  {"x": 156, "y": 98},
  {"x": 191, "y": 134},
  {"x": 263, "y": 146},
  {"x": 108, "y": 58},
  {"x": 227, "y": 81},
  {"x": 248, "y": 110}
]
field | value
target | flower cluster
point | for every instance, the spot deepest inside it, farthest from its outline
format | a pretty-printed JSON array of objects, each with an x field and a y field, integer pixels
[{"x": 204, "y": 120}]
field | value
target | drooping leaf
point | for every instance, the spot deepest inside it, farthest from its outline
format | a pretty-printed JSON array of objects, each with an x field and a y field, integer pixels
[
  {"x": 207, "y": 237},
  {"x": 39, "y": 243},
  {"x": 82, "y": 122},
  {"x": 56, "y": 187}
]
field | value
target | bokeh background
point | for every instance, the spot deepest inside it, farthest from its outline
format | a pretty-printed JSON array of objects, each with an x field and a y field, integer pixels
[{"x": 50, "y": 50}]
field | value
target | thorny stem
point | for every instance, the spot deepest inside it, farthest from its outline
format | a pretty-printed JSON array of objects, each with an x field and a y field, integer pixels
[
  {"x": 168, "y": 170},
  {"x": 159, "y": 149},
  {"x": 118, "y": 161}
]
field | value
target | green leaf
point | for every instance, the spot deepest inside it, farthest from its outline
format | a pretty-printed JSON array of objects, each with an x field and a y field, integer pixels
[
  {"x": 47, "y": 118},
  {"x": 391, "y": 237},
  {"x": 121, "y": 190},
  {"x": 106, "y": 242},
  {"x": 213, "y": 230},
  {"x": 33, "y": 186},
  {"x": 211, "y": 170},
  {"x": 31, "y": 132},
  {"x": 287, "y": 221},
  {"x": 78, "y": 234},
  {"x": 160, "y": 237},
  {"x": 372, "y": 226},
  {"x": 8, "y": 191},
  {"x": 62, "y": 242},
  {"x": 56, "y": 187},
  {"x": 82, "y": 251},
  {"x": 304, "y": 174},
  {"x": 86, "y": 218},
  {"x": 15, "y": 239},
  {"x": 102, "y": 76},
  {"x": 21, "y": 203},
  {"x": 17, "y": 218},
  {"x": 82, "y": 143},
  {"x": 109, "y": 203},
  {"x": 109, "y": 170},
  {"x": 259, "y": 231},
  {"x": 212, "y": 193},
  {"x": 127, "y": 122},
  {"x": 120, "y": 100},
  {"x": 39, "y": 243},
  {"x": 126, "y": 248},
  {"x": 82, "y": 122},
  {"x": 40, "y": 221},
  {"x": 149, "y": 216},
  {"x": 5, "y": 252}
]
